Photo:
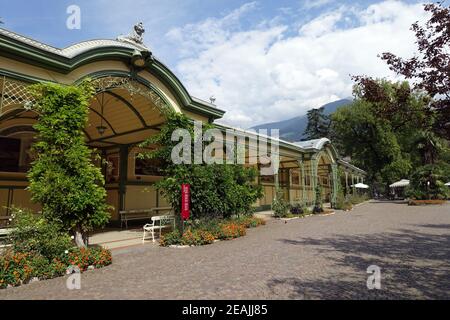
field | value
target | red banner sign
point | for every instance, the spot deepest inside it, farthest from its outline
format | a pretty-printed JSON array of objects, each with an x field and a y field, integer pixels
[{"x": 185, "y": 201}]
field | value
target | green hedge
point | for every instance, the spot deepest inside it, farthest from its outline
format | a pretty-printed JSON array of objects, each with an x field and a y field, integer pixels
[
  {"x": 203, "y": 232},
  {"x": 40, "y": 249},
  {"x": 17, "y": 268}
]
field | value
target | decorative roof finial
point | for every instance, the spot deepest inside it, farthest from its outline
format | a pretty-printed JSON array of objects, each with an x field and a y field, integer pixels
[
  {"x": 212, "y": 99},
  {"x": 136, "y": 36}
]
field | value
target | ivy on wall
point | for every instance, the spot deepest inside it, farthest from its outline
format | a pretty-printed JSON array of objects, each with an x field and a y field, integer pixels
[{"x": 63, "y": 178}]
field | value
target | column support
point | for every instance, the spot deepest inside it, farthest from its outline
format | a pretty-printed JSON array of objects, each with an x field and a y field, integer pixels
[
  {"x": 289, "y": 184},
  {"x": 336, "y": 183},
  {"x": 353, "y": 184},
  {"x": 346, "y": 183},
  {"x": 123, "y": 175},
  {"x": 314, "y": 179},
  {"x": 303, "y": 178}
]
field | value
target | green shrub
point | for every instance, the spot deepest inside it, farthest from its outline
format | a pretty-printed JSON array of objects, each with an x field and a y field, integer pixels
[
  {"x": 250, "y": 222},
  {"x": 280, "y": 206},
  {"x": 428, "y": 182},
  {"x": 33, "y": 234},
  {"x": 342, "y": 202},
  {"x": 357, "y": 198},
  {"x": 63, "y": 178},
  {"x": 210, "y": 225},
  {"x": 170, "y": 239},
  {"x": 189, "y": 238},
  {"x": 217, "y": 190},
  {"x": 296, "y": 209},
  {"x": 205, "y": 231},
  {"x": 17, "y": 268},
  {"x": 318, "y": 207},
  {"x": 85, "y": 257},
  {"x": 231, "y": 230},
  {"x": 196, "y": 238}
]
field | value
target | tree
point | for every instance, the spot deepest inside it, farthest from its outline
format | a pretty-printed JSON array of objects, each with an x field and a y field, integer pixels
[
  {"x": 318, "y": 124},
  {"x": 428, "y": 182},
  {"x": 63, "y": 178},
  {"x": 217, "y": 190},
  {"x": 429, "y": 68},
  {"x": 377, "y": 130},
  {"x": 428, "y": 146}
]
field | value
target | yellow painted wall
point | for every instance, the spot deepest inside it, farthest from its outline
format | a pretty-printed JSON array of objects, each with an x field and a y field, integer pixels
[
  {"x": 112, "y": 198},
  {"x": 3, "y": 201},
  {"x": 140, "y": 197},
  {"x": 22, "y": 198}
]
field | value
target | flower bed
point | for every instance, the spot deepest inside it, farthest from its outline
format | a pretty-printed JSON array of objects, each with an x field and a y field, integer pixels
[
  {"x": 425, "y": 202},
  {"x": 17, "y": 268},
  {"x": 204, "y": 233}
]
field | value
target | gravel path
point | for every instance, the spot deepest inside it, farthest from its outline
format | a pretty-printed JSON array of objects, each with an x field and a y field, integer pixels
[{"x": 319, "y": 257}]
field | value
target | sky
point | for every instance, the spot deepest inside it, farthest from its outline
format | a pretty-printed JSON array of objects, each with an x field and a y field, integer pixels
[{"x": 262, "y": 60}]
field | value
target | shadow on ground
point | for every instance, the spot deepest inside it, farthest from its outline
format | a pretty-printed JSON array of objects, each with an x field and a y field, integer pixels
[{"x": 414, "y": 265}]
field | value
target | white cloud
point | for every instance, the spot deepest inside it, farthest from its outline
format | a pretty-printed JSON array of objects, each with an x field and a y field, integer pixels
[
  {"x": 314, "y": 4},
  {"x": 323, "y": 24},
  {"x": 270, "y": 72},
  {"x": 201, "y": 36}
]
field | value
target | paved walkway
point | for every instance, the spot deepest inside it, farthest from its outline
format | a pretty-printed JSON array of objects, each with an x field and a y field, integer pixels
[{"x": 319, "y": 257}]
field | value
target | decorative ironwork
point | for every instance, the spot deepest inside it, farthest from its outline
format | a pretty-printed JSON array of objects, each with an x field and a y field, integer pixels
[
  {"x": 13, "y": 93},
  {"x": 132, "y": 86}
]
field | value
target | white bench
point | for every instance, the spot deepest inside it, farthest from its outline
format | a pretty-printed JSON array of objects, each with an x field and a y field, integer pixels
[
  {"x": 5, "y": 232},
  {"x": 158, "y": 223},
  {"x": 140, "y": 214},
  {"x": 130, "y": 215}
]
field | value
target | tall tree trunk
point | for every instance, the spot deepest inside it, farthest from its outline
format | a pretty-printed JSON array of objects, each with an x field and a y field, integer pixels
[{"x": 80, "y": 238}]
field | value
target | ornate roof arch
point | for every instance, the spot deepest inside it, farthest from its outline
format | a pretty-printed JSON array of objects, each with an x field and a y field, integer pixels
[{"x": 64, "y": 61}]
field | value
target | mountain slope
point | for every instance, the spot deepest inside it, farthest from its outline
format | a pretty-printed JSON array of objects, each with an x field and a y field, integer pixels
[{"x": 292, "y": 129}]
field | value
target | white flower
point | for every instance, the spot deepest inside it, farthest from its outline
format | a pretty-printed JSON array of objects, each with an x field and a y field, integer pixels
[
  {"x": 66, "y": 252},
  {"x": 72, "y": 237}
]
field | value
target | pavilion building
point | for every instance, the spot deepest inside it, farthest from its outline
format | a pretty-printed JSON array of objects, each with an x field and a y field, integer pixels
[{"x": 132, "y": 88}]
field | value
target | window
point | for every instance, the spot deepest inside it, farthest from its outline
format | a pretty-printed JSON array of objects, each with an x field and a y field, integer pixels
[
  {"x": 112, "y": 168},
  {"x": 147, "y": 167},
  {"x": 295, "y": 177},
  {"x": 267, "y": 179},
  {"x": 9, "y": 154},
  {"x": 307, "y": 181},
  {"x": 284, "y": 177}
]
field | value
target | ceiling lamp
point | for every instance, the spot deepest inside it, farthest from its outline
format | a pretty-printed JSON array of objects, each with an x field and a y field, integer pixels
[{"x": 101, "y": 128}]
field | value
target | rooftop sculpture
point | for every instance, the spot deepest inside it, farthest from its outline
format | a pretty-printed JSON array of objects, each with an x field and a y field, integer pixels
[{"x": 136, "y": 36}]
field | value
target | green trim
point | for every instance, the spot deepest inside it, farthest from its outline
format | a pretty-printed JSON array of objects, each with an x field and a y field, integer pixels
[
  {"x": 21, "y": 77},
  {"x": 123, "y": 175},
  {"x": 14, "y": 187},
  {"x": 125, "y": 74},
  {"x": 140, "y": 183},
  {"x": 192, "y": 104},
  {"x": 30, "y": 54},
  {"x": 102, "y": 139}
]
